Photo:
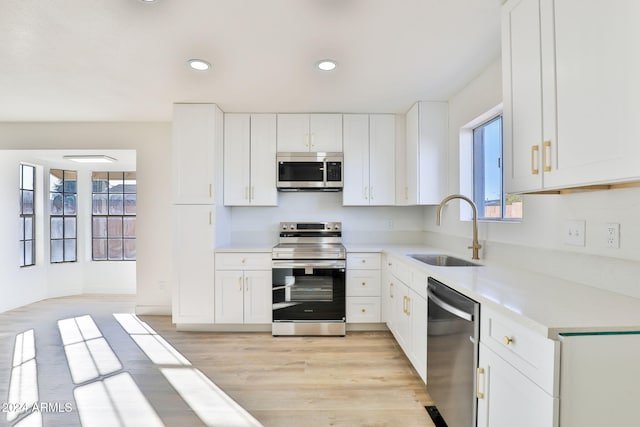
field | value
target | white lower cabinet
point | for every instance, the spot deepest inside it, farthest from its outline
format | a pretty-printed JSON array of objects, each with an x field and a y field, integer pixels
[
  {"x": 507, "y": 398},
  {"x": 243, "y": 288},
  {"x": 363, "y": 288},
  {"x": 193, "y": 291},
  {"x": 407, "y": 315},
  {"x": 517, "y": 377}
]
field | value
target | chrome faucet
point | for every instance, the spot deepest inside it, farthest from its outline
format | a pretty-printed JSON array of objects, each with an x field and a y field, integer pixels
[{"x": 475, "y": 246}]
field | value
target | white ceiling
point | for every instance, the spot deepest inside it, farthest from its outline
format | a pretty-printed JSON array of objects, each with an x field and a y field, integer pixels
[{"x": 125, "y": 60}]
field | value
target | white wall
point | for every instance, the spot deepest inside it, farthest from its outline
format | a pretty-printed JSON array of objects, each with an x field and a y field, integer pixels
[
  {"x": 536, "y": 243},
  {"x": 152, "y": 270},
  {"x": 361, "y": 225}
]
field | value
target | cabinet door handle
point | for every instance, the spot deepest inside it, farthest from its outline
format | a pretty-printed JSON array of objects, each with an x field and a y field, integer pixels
[
  {"x": 507, "y": 340},
  {"x": 371, "y": 193},
  {"x": 313, "y": 137},
  {"x": 246, "y": 284},
  {"x": 210, "y": 190},
  {"x": 253, "y": 192},
  {"x": 210, "y": 217},
  {"x": 306, "y": 140},
  {"x": 546, "y": 154},
  {"x": 534, "y": 159},
  {"x": 408, "y": 306},
  {"x": 364, "y": 193},
  {"x": 240, "y": 283},
  {"x": 479, "y": 394},
  {"x": 390, "y": 290}
]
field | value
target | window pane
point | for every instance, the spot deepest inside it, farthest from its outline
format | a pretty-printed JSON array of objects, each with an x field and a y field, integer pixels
[
  {"x": 70, "y": 228},
  {"x": 129, "y": 249},
  {"x": 28, "y": 252},
  {"x": 116, "y": 204},
  {"x": 130, "y": 201},
  {"x": 27, "y": 202},
  {"x": 21, "y": 253},
  {"x": 100, "y": 226},
  {"x": 115, "y": 249},
  {"x": 100, "y": 182},
  {"x": 70, "y": 201},
  {"x": 70, "y": 181},
  {"x": 114, "y": 227},
  {"x": 100, "y": 249},
  {"x": 70, "y": 250},
  {"x": 21, "y": 230},
  {"x": 55, "y": 180},
  {"x": 57, "y": 254},
  {"x": 130, "y": 185},
  {"x": 55, "y": 203},
  {"x": 100, "y": 204},
  {"x": 27, "y": 177},
  {"x": 513, "y": 206},
  {"x": 28, "y": 228},
  {"x": 116, "y": 182},
  {"x": 57, "y": 224}
]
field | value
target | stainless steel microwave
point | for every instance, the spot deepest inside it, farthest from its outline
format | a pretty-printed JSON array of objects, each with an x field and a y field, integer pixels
[{"x": 309, "y": 171}]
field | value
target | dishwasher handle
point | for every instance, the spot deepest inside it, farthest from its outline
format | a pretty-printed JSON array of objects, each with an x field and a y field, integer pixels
[{"x": 448, "y": 307}]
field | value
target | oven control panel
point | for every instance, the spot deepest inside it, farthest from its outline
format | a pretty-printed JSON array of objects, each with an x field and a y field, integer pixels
[{"x": 310, "y": 226}]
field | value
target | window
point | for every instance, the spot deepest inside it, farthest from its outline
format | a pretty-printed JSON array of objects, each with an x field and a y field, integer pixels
[
  {"x": 27, "y": 215},
  {"x": 488, "y": 192},
  {"x": 114, "y": 216},
  {"x": 63, "y": 201}
]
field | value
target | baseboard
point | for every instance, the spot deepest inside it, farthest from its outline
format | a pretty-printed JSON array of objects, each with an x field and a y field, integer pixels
[{"x": 153, "y": 310}]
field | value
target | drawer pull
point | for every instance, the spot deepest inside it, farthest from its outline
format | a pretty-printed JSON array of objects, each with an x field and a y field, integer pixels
[
  {"x": 507, "y": 340},
  {"x": 364, "y": 310},
  {"x": 364, "y": 261},
  {"x": 364, "y": 283}
]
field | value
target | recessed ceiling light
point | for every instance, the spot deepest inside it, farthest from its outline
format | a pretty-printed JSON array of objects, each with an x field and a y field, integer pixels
[
  {"x": 199, "y": 64},
  {"x": 327, "y": 65},
  {"x": 92, "y": 158}
]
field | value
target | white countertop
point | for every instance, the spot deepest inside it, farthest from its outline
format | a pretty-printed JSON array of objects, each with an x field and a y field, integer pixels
[
  {"x": 545, "y": 304},
  {"x": 548, "y": 305}
]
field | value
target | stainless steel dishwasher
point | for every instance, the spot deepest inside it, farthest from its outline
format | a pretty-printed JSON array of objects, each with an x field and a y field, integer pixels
[{"x": 453, "y": 333}]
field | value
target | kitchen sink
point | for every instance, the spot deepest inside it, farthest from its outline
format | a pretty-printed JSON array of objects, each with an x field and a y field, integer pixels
[{"x": 443, "y": 260}]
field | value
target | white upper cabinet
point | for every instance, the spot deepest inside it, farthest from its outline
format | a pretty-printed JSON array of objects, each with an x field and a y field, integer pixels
[
  {"x": 369, "y": 159},
  {"x": 250, "y": 160},
  {"x": 426, "y": 154},
  {"x": 195, "y": 129},
  {"x": 570, "y": 72},
  {"x": 310, "y": 132}
]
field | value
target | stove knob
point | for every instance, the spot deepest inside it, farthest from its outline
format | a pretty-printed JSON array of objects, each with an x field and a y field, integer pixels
[
  {"x": 284, "y": 226},
  {"x": 329, "y": 227},
  {"x": 292, "y": 227},
  {"x": 336, "y": 227}
]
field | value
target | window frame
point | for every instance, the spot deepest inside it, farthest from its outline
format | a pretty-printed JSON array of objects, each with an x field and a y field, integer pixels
[
  {"x": 105, "y": 218},
  {"x": 64, "y": 216},
  {"x": 24, "y": 216},
  {"x": 468, "y": 169}
]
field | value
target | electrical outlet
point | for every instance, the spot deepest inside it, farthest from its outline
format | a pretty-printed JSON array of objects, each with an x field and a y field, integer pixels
[
  {"x": 613, "y": 235},
  {"x": 574, "y": 233}
]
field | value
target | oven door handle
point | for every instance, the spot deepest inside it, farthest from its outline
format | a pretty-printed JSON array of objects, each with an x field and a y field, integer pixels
[
  {"x": 309, "y": 264},
  {"x": 279, "y": 288},
  {"x": 448, "y": 307}
]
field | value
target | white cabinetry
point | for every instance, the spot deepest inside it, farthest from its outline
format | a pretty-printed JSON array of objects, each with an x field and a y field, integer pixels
[
  {"x": 569, "y": 93},
  {"x": 310, "y": 132},
  {"x": 369, "y": 159},
  {"x": 250, "y": 160},
  {"x": 193, "y": 290},
  {"x": 363, "y": 288},
  {"x": 517, "y": 376},
  {"x": 407, "y": 318},
  {"x": 194, "y": 130},
  {"x": 426, "y": 154},
  {"x": 243, "y": 288}
]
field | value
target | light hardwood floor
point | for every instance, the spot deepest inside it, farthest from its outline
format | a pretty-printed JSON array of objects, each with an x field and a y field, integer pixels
[{"x": 362, "y": 379}]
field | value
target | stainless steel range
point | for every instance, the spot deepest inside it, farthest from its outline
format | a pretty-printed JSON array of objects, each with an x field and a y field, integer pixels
[{"x": 309, "y": 279}]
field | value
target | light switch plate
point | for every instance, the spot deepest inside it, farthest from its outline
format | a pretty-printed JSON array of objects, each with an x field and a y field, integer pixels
[{"x": 574, "y": 233}]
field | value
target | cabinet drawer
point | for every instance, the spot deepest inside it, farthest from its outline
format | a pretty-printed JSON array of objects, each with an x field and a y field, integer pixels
[
  {"x": 363, "y": 283},
  {"x": 530, "y": 353},
  {"x": 363, "y": 309},
  {"x": 363, "y": 261},
  {"x": 399, "y": 270},
  {"x": 243, "y": 261}
]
